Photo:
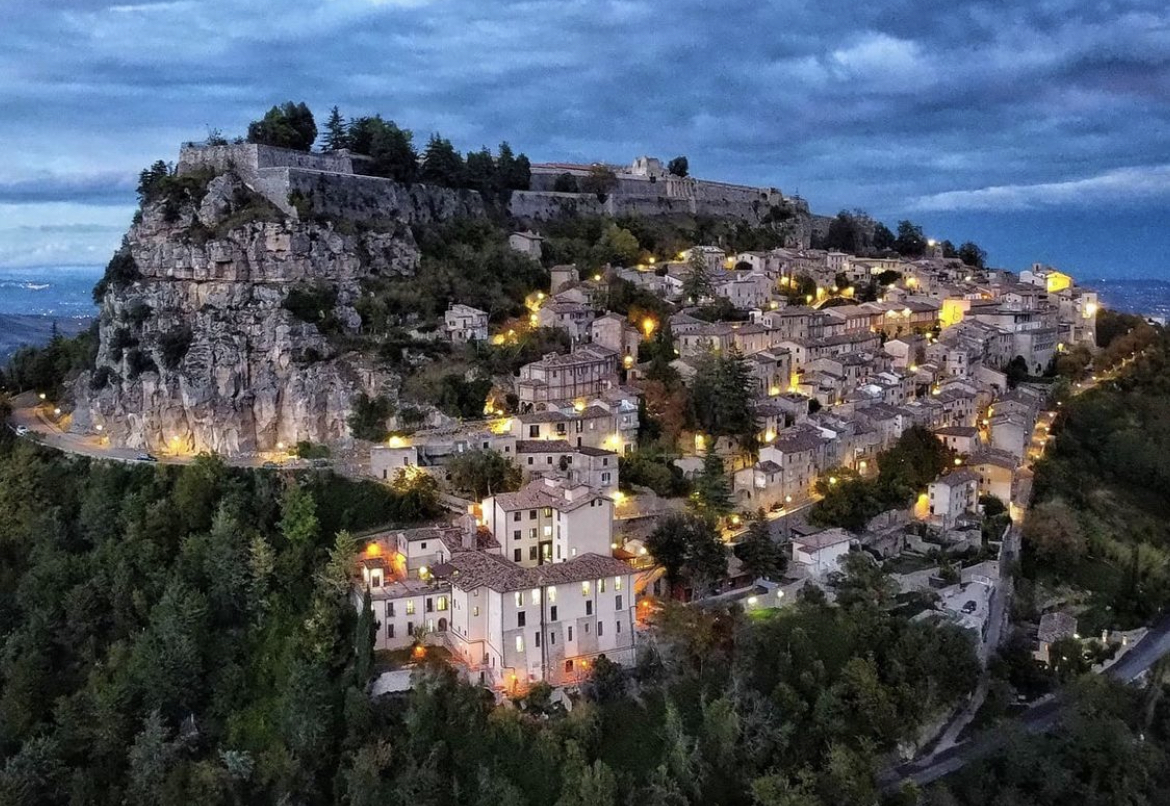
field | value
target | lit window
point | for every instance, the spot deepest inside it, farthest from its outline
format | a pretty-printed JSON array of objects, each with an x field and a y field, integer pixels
[
  {"x": 475, "y": 611},
  {"x": 535, "y": 595},
  {"x": 548, "y": 531},
  {"x": 585, "y": 588},
  {"x": 519, "y": 598},
  {"x": 548, "y": 511},
  {"x": 552, "y": 593},
  {"x": 410, "y": 607},
  {"x": 601, "y": 586},
  {"x": 519, "y": 643},
  {"x": 617, "y": 583},
  {"x": 442, "y": 603}
]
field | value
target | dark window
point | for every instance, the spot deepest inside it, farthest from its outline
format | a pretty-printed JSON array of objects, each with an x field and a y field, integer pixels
[
  {"x": 617, "y": 602},
  {"x": 600, "y": 626},
  {"x": 569, "y": 666},
  {"x": 410, "y": 628},
  {"x": 516, "y": 515},
  {"x": 516, "y": 555},
  {"x": 537, "y": 637},
  {"x": 534, "y": 431},
  {"x": 430, "y": 605},
  {"x": 552, "y": 613},
  {"x": 532, "y": 552},
  {"x": 532, "y": 514},
  {"x": 589, "y": 607},
  {"x": 389, "y": 630},
  {"x": 570, "y": 633},
  {"x": 515, "y": 534},
  {"x": 521, "y": 618}
]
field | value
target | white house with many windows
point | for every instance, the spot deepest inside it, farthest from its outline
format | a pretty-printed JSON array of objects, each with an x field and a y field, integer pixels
[
  {"x": 514, "y": 626},
  {"x": 549, "y": 521}
]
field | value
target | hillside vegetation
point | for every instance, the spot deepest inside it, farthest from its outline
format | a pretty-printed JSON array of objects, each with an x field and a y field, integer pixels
[
  {"x": 1100, "y": 521},
  {"x": 185, "y": 635}
]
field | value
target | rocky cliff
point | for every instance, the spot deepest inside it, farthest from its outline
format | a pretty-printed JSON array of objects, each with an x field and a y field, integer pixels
[{"x": 200, "y": 347}]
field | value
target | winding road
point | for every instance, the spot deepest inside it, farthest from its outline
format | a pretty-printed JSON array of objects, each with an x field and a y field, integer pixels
[{"x": 1039, "y": 719}]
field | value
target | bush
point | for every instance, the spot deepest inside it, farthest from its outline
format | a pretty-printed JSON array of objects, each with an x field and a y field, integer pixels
[
  {"x": 655, "y": 471},
  {"x": 307, "y": 450},
  {"x": 121, "y": 271},
  {"x": 368, "y": 418},
  {"x": 139, "y": 361},
  {"x": 174, "y": 345},
  {"x": 314, "y": 303},
  {"x": 120, "y": 341}
]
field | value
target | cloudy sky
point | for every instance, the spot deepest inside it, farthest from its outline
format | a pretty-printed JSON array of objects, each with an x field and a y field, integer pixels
[{"x": 1039, "y": 129}]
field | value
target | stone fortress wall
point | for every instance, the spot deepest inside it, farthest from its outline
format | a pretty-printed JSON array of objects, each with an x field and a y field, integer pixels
[{"x": 334, "y": 185}]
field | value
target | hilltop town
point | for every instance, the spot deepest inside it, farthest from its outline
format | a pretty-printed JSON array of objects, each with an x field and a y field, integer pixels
[
  {"x": 762, "y": 398},
  {"x": 381, "y": 467},
  {"x": 831, "y": 387}
]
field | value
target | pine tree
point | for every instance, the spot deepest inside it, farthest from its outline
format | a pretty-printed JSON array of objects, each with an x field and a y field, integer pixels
[
  {"x": 697, "y": 283},
  {"x": 336, "y": 133},
  {"x": 364, "y": 642},
  {"x": 442, "y": 164},
  {"x": 761, "y": 556},
  {"x": 712, "y": 490},
  {"x": 481, "y": 170},
  {"x": 505, "y": 166}
]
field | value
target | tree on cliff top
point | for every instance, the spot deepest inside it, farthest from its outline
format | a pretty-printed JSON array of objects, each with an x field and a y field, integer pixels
[
  {"x": 972, "y": 255},
  {"x": 442, "y": 164},
  {"x": 336, "y": 133},
  {"x": 910, "y": 241},
  {"x": 290, "y": 125},
  {"x": 678, "y": 166}
]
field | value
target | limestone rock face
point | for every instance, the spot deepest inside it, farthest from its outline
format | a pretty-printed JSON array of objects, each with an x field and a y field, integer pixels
[{"x": 200, "y": 353}]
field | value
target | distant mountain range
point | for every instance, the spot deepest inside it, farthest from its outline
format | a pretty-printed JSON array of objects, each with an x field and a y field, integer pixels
[{"x": 17, "y": 330}]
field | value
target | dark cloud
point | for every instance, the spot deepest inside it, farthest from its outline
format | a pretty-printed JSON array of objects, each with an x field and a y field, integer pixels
[{"x": 911, "y": 107}]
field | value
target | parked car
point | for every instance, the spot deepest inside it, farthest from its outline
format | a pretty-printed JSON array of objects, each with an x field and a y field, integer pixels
[
  {"x": 970, "y": 607},
  {"x": 145, "y": 457},
  {"x": 21, "y": 431},
  {"x": 320, "y": 463},
  {"x": 269, "y": 466}
]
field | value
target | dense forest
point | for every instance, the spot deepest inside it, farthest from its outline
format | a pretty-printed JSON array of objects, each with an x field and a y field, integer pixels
[{"x": 184, "y": 634}]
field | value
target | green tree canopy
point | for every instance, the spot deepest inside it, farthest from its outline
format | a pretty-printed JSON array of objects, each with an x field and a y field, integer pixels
[{"x": 289, "y": 125}]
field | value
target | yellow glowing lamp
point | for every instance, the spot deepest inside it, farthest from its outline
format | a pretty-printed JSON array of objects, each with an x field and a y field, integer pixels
[
  {"x": 648, "y": 325},
  {"x": 373, "y": 550},
  {"x": 396, "y": 442}
]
